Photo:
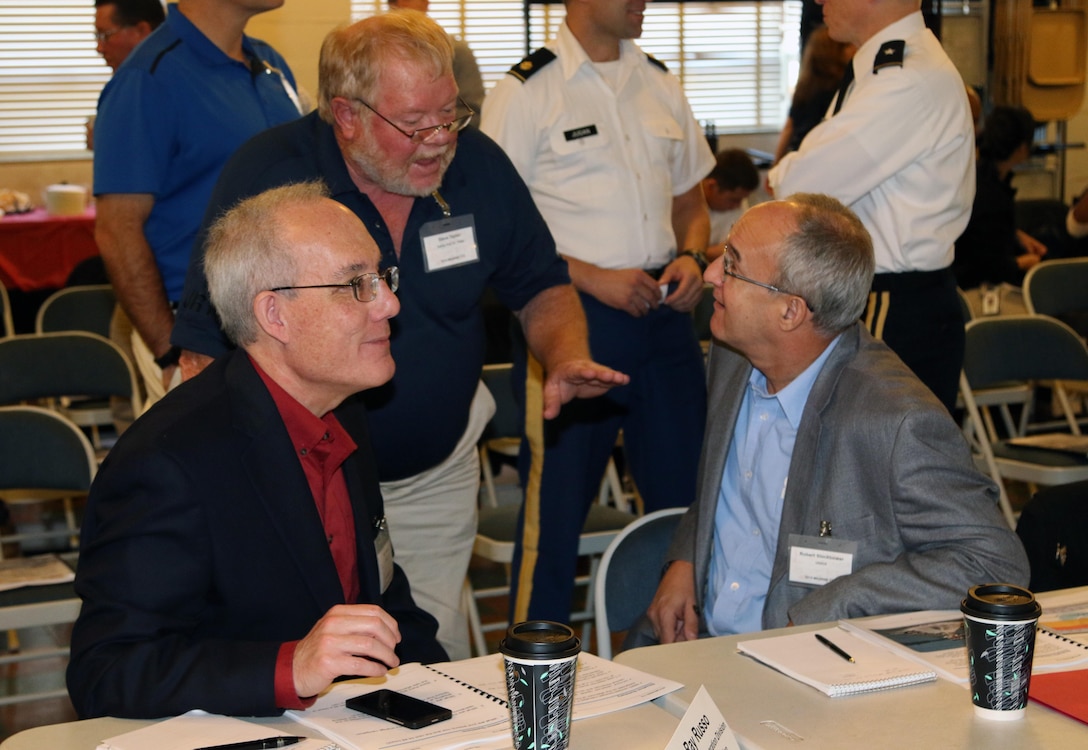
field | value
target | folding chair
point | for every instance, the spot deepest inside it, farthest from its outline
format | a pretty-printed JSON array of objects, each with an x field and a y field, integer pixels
[
  {"x": 503, "y": 436},
  {"x": 497, "y": 524},
  {"x": 1028, "y": 348},
  {"x": 1000, "y": 396},
  {"x": 67, "y": 368},
  {"x": 46, "y": 458},
  {"x": 78, "y": 308},
  {"x": 629, "y": 572},
  {"x": 1058, "y": 288},
  {"x": 495, "y": 536}
]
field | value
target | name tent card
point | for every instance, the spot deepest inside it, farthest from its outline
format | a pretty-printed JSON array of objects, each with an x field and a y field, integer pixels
[{"x": 703, "y": 727}]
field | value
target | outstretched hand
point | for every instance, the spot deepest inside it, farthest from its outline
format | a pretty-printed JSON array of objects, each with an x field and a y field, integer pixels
[{"x": 579, "y": 378}]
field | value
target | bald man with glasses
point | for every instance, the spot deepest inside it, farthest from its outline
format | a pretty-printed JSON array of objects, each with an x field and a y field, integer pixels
[
  {"x": 820, "y": 444},
  {"x": 235, "y": 553}
]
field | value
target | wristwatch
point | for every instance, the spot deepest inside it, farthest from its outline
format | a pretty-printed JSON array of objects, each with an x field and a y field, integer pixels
[
  {"x": 699, "y": 256},
  {"x": 170, "y": 358}
]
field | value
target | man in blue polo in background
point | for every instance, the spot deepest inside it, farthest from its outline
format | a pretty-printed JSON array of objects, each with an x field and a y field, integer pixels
[{"x": 174, "y": 111}]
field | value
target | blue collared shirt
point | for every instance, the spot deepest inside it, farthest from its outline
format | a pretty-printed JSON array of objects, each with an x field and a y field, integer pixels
[
  {"x": 168, "y": 120},
  {"x": 750, "y": 498}
]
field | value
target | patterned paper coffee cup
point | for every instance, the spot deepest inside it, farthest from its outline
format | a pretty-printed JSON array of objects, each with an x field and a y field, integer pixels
[
  {"x": 999, "y": 624},
  {"x": 541, "y": 658}
]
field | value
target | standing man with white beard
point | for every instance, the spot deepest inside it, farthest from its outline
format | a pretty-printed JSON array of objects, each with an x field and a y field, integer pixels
[{"x": 444, "y": 204}]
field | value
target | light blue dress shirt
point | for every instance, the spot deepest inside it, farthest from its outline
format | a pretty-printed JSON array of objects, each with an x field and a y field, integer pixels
[{"x": 749, "y": 508}]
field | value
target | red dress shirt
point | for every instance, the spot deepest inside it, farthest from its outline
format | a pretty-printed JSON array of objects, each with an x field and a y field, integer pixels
[{"x": 322, "y": 445}]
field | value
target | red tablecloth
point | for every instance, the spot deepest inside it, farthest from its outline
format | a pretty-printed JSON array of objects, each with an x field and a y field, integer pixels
[{"x": 38, "y": 251}]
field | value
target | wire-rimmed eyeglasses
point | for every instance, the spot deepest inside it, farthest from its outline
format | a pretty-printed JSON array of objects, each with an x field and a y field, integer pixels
[
  {"x": 727, "y": 269},
  {"x": 104, "y": 36},
  {"x": 425, "y": 135},
  {"x": 365, "y": 287}
]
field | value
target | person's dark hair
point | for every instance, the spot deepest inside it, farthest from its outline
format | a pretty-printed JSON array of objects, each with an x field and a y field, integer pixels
[
  {"x": 1005, "y": 130},
  {"x": 131, "y": 12},
  {"x": 735, "y": 169},
  {"x": 828, "y": 261},
  {"x": 822, "y": 66}
]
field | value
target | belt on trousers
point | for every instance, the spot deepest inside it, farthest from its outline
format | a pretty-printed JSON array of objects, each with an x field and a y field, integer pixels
[
  {"x": 655, "y": 273},
  {"x": 906, "y": 280}
]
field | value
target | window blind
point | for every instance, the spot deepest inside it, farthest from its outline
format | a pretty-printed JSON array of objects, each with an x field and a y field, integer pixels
[
  {"x": 736, "y": 60},
  {"x": 50, "y": 78}
]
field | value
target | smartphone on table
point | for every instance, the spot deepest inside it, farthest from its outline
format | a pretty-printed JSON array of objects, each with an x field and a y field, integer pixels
[{"x": 399, "y": 708}]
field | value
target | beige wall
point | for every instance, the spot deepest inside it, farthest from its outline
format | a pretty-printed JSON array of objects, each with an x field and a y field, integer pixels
[
  {"x": 32, "y": 177},
  {"x": 296, "y": 31}
]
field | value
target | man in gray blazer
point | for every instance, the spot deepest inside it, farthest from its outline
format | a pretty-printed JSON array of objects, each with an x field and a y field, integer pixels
[{"x": 833, "y": 483}]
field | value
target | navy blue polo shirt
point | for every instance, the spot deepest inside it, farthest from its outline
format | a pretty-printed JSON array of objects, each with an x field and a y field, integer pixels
[
  {"x": 168, "y": 120},
  {"x": 438, "y": 338}
]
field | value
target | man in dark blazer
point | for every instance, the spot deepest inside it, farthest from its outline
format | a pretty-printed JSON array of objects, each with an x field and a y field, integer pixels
[
  {"x": 234, "y": 552},
  {"x": 832, "y": 483}
]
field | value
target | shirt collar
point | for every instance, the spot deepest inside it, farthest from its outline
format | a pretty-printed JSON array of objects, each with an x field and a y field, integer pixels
[
  {"x": 572, "y": 57},
  {"x": 304, "y": 427},
  {"x": 794, "y": 396},
  {"x": 904, "y": 28},
  {"x": 200, "y": 44}
]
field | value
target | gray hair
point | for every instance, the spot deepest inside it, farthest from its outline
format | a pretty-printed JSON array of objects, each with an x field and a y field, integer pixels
[
  {"x": 828, "y": 261},
  {"x": 352, "y": 57},
  {"x": 246, "y": 255}
]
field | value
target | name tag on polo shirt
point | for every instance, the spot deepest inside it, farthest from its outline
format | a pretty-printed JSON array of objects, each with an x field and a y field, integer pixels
[
  {"x": 816, "y": 560},
  {"x": 448, "y": 243},
  {"x": 383, "y": 548},
  {"x": 583, "y": 132}
]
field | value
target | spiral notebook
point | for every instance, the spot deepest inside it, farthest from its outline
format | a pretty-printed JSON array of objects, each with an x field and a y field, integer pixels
[
  {"x": 807, "y": 659},
  {"x": 475, "y": 691},
  {"x": 480, "y": 718}
]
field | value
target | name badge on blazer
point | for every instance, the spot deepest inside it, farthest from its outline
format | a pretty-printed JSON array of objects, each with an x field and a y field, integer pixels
[
  {"x": 816, "y": 560},
  {"x": 383, "y": 547}
]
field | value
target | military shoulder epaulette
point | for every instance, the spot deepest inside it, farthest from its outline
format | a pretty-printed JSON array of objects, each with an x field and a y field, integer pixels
[
  {"x": 890, "y": 53},
  {"x": 658, "y": 63},
  {"x": 531, "y": 64}
]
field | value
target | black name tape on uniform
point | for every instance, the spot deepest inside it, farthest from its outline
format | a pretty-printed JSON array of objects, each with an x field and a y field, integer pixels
[{"x": 583, "y": 132}]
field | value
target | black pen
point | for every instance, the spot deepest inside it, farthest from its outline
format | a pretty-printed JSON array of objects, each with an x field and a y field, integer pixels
[
  {"x": 264, "y": 744},
  {"x": 833, "y": 647}
]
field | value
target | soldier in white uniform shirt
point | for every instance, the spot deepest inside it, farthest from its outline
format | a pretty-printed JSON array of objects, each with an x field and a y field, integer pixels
[
  {"x": 605, "y": 139},
  {"x": 898, "y": 148}
]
